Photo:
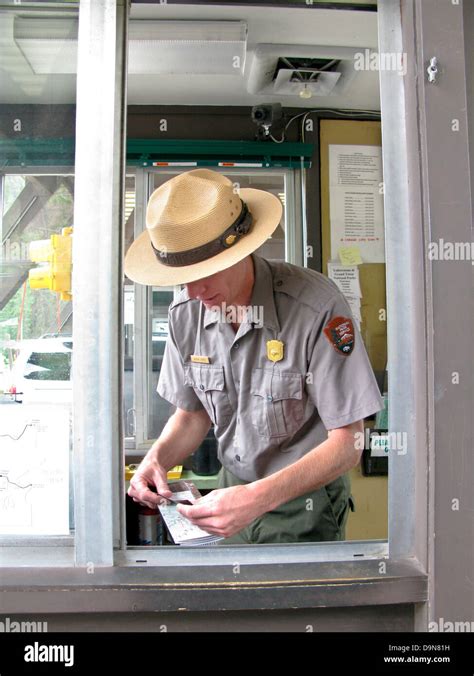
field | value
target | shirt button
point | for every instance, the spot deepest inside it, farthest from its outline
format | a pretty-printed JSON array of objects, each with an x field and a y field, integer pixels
[
  {"x": 236, "y": 346},
  {"x": 201, "y": 387},
  {"x": 279, "y": 283},
  {"x": 237, "y": 457},
  {"x": 269, "y": 397}
]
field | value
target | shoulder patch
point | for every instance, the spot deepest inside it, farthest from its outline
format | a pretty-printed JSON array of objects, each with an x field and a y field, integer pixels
[{"x": 340, "y": 333}]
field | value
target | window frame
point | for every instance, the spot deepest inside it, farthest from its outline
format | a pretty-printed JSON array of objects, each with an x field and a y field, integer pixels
[
  {"x": 295, "y": 236},
  {"x": 407, "y": 579}
]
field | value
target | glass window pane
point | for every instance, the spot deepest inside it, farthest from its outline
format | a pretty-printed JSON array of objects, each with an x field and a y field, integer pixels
[
  {"x": 36, "y": 348},
  {"x": 129, "y": 413},
  {"x": 37, "y": 100},
  {"x": 159, "y": 410}
]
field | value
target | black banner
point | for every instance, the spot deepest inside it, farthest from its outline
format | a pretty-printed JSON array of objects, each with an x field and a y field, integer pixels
[{"x": 135, "y": 653}]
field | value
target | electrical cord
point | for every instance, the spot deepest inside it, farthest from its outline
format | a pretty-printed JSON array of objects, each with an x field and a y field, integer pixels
[
  {"x": 343, "y": 113},
  {"x": 348, "y": 113}
]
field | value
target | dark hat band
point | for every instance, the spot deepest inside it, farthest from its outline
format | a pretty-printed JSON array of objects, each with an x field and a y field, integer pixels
[{"x": 229, "y": 237}]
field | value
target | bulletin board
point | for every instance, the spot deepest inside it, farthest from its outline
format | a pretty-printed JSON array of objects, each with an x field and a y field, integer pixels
[
  {"x": 370, "y": 519},
  {"x": 371, "y": 275}
]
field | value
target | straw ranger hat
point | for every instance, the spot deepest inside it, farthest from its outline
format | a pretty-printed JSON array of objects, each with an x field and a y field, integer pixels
[{"x": 196, "y": 225}]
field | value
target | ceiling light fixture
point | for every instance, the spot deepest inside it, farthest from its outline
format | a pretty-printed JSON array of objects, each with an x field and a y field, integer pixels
[{"x": 155, "y": 47}]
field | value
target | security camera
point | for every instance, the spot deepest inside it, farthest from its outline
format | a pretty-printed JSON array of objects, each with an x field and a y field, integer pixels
[{"x": 266, "y": 116}]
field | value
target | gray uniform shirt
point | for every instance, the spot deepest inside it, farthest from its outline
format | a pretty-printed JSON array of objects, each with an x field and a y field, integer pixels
[{"x": 267, "y": 414}]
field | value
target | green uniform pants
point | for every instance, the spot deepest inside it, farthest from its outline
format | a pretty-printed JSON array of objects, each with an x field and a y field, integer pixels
[{"x": 317, "y": 516}]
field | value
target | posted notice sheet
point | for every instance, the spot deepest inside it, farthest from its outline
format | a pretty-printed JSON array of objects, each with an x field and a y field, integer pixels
[{"x": 356, "y": 201}]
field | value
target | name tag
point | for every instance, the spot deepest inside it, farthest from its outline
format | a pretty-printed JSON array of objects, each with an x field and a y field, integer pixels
[{"x": 198, "y": 359}]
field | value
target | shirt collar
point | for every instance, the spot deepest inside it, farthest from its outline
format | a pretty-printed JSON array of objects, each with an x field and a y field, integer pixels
[{"x": 262, "y": 297}]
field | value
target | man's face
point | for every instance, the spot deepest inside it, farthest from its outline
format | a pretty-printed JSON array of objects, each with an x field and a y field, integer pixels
[{"x": 222, "y": 287}]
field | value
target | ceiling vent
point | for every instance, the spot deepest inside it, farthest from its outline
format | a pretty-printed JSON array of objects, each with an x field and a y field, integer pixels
[
  {"x": 306, "y": 77},
  {"x": 301, "y": 70}
]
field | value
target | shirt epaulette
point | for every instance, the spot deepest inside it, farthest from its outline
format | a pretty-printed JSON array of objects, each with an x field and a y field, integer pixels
[
  {"x": 181, "y": 298},
  {"x": 305, "y": 286}
]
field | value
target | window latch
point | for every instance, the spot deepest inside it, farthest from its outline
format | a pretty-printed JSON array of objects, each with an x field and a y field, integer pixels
[
  {"x": 432, "y": 70},
  {"x": 131, "y": 422}
]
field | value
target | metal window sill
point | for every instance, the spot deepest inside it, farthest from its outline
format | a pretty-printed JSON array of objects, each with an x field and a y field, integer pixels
[{"x": 212, "y": 588}]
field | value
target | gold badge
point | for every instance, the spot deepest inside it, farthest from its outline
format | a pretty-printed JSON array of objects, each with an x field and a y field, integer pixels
[
  {"x": 198, "y": 359},
  {"x": 230, "y": 239},
  {"x": 275, "y": 350}
]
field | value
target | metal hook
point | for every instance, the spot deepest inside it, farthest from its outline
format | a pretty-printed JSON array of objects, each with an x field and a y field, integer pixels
[{"x": 432, "y": 69}]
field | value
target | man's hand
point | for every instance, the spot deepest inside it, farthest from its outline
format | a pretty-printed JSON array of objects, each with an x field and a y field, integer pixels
[
  {"x": 182, "y": 434},
  {"x": 149, "y": 474},
  {"x": 224, "y": 511}
]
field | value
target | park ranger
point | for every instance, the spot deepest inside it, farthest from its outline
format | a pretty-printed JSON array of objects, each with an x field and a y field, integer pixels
[{"x": 265, "y": 351}]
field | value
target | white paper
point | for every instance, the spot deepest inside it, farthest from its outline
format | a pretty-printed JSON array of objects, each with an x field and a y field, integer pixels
[
  {"x": 347, "y": 280},
  {"x": 379, "y": 445},
  {"x": 346, "y": 277},
  {"x": 129, "y": 307},
  {"x": 182, "y": 530},
  {"x": 355, "y": 311},
  {"x": 354, "y": 304},
  {"x": 34, "y": 469},
  {"x": 356, "y": 200},
  {"x": 182, "y": 496}
]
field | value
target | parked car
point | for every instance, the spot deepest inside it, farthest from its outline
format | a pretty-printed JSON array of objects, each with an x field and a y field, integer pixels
[{"x": 41, "y": 372}]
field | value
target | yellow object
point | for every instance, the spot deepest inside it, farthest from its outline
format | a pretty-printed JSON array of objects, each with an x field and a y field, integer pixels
[
  {"x": 55, "y": 258},
  {"x": 197, "y": 359},
  {"x": 350, "y": 255},
  {"x": 173, "y": 473},
  {"x": 275, "y": 350},
  {"x": 130, "y": 471}
]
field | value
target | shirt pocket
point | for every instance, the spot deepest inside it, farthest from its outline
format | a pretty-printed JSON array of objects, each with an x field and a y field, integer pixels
[
  {"x": 277, "y": 403},
  {"x": 208, "y": 383}
]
